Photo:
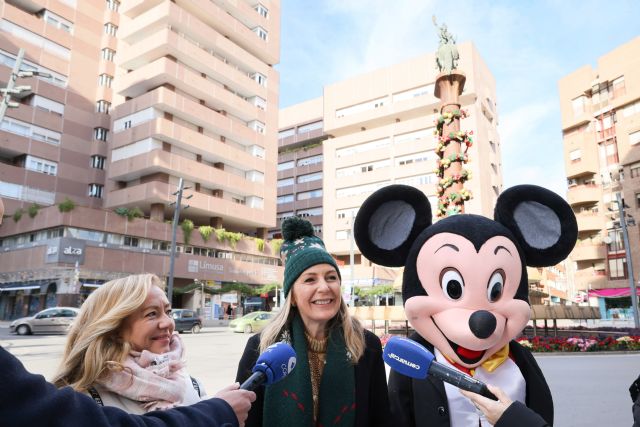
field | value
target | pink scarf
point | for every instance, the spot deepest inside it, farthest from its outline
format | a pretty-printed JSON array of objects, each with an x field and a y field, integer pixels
[{"x": 157, "y": 381}]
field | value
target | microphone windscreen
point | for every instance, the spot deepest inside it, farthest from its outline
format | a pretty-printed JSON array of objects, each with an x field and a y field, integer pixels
[
  {"x": 276, "y": 362},
  {"x": 407, "y": 357}
]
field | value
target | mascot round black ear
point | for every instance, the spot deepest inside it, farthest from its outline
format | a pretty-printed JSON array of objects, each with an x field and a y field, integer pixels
[
  {"x": 388, "y": 223},
  {"x": 542, "y": 222}
]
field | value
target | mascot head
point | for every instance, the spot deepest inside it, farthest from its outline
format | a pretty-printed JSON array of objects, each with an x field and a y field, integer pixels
[{"x": 465, "y": 287}]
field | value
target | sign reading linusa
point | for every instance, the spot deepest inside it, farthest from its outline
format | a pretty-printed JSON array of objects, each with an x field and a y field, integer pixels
[{"x": 194, "y": 266}]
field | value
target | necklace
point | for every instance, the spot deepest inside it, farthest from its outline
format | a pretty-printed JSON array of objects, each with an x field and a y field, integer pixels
[{"x": 317, "y": 353}]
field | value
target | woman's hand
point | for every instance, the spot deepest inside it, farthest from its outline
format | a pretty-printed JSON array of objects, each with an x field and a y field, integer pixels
[{"x": 491, "y": 409}]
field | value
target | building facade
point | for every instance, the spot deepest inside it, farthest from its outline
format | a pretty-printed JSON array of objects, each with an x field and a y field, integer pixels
[
  {"x": 380, "y": 128},
  {"x": 600, "y": 110},
  {"x": 142, "y": 94},
  {"x": 300, "y": 163}
]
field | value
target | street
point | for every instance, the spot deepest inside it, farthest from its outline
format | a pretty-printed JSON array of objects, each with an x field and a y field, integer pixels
[{"x": 588, "y": 389}]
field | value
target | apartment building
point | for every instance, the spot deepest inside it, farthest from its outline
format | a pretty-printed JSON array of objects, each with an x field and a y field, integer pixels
[
  {"x": 300, "y": 164},
  {"x": 380, "y": 128},
  {"x": 600, "y": 110},
  {"x": 143, "y": 93}
]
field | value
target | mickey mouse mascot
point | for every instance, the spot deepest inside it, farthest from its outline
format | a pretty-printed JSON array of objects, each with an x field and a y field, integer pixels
[{"x": 465, "y": 292}]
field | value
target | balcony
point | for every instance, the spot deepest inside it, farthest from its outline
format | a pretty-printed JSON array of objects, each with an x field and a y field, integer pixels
[
  {"x": 590, "y": 278},
  {"x": 581, "y": 194},
  {"x": 590, "y": 222},
  {"x": 588, "y": 251}
]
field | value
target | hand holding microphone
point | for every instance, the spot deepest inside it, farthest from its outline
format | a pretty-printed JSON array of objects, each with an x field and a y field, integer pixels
[
  {"x": 414, "y": 360},
  {"x": 277, "y": 361},
  {"x": 273, "y": 365}
]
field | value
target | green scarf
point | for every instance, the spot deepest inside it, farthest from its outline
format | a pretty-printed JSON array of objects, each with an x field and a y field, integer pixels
[{"x": 290, "y": 401}]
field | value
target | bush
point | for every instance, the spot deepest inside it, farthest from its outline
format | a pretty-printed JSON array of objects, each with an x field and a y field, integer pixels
[
  {"x": 18, "y": 214},
  {"x": 187, "y": 228},
  {"x": 276, "y": 244},
  {"x": 33, "y": 210},
  {"x": 67, "y": 205},
  {"x": 131, "y": 214},
  {"x": 260, "y": 244},
  {"x": 205, "y": 232},
  {"x": 581, "y": 344}
]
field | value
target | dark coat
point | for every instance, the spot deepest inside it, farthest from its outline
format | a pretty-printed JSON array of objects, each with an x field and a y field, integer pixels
[
  {"x": 28, "y": 400},
  {"x": 432, "y": 409},
  {"x": 372, "y": 404}
]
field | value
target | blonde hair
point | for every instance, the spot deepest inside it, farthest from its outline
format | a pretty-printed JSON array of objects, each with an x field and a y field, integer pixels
[
  {"x": 351, "y": 328},
  {"x": 94, "y": 344}
]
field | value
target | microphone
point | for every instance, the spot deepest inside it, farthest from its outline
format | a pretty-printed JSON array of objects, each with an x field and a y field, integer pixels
[
  {"x": 413, "y": 360},
  {"x": 275, "y": 363}
]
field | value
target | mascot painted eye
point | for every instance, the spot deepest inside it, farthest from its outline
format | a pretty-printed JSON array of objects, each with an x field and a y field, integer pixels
[
  {"x": 452, "y": 283},
  {"x": 496, "y": 285},
  {"x": 465, "y": 291}
]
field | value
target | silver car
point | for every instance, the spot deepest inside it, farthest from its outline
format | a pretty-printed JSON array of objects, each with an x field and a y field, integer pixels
[{"x": 55, "y": 320}]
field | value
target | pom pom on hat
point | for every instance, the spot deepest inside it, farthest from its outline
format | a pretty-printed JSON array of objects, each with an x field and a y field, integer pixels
[
  {"x": 300, "y": 250},
  {"x": 295, "y": 227}
]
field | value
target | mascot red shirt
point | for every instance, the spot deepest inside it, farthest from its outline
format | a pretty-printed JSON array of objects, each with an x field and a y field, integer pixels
[{"x": 465, "y": 292}]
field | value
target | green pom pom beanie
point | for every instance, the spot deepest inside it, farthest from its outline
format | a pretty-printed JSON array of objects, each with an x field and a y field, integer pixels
[{"x": 300, "y": 250}]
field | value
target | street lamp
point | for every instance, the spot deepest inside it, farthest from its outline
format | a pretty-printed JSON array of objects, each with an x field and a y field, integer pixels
[
  {"x": 625, "y": 235},
  {"x": 12, "y": 89}
]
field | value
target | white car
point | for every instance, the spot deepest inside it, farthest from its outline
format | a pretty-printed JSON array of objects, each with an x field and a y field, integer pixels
[{"x": 55, "y": 320}]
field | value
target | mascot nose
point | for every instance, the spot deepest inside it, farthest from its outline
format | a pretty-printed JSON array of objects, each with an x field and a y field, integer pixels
[{"x": 482, "y": 324}]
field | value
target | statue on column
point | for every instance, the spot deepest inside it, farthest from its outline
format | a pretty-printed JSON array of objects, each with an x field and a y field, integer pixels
[{"x": 447, "y": 55}]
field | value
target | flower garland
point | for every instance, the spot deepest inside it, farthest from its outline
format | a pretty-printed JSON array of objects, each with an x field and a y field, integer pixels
[{"x": 451, "y": 203}]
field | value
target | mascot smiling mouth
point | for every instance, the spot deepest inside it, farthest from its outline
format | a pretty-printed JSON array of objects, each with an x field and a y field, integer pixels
[{"x": 467, "y": 356}]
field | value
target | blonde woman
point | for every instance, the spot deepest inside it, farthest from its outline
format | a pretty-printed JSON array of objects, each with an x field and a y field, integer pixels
[
  {"x": 122, "y": 351},
  {"x": 339, "y": 378}
]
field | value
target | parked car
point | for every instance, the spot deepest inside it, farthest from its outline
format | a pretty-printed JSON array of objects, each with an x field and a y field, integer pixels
[
  {"x": 252, "y": 322},
  {"x": 186, "y": 320},
  {"x": 55, "y": 320}
]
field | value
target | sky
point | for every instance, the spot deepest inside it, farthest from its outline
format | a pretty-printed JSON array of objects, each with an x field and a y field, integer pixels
[{"x": 528, "y": 45}]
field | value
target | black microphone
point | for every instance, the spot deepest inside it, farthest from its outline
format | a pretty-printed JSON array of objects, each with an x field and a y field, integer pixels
[
  {"x": 277, "y": 361},
  {"x": 414, "y": 360}
]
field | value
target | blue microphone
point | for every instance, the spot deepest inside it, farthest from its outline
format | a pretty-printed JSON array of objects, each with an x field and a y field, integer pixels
[
  {"x": 275, "y": 363},
  {"x": 411, "y": 359}
]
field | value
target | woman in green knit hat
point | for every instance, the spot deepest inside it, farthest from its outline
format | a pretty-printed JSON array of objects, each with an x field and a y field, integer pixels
[{"x": 339, "y": 378}]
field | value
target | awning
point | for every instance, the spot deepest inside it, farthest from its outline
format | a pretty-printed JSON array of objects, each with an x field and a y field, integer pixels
[
  {"x": 19, "y": 288},
  {"x": 612, "y": 293},
  {"x": 91, "y": 285}
]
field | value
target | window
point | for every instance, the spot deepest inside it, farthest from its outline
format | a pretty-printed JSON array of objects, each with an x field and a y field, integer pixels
[
  {"x": 100, "y": 134},
  {"x": 134, "y": 242},
  {"x": 95, "y": 190},
  {"x": 575, "y": 155},
  {"x": 309, "y": 212},
  {"x": 103, "y": 106},
  {"x": 260, "y": 78},
  {"x": 285, "y": 199},
  {"x": 57, "y": 21},
  {"x": 286, "y": 133},
  {"x": 110, "y": 29},
  {"x": 578, "y": 104},
  {"x": 34, "y": 39},
  {"x": 310, "y": 127},
  {"x": 261, "y": 32},
  {"x": 361, "y": 148},
  {"x": 97, "y": 162},
  {"x": 108, "y": 54},
  {"x": 342, "y": 234},
  {"x": 127, "y": 124},
  {"x": 29, "y": 130},
  {"x": 285, "y": 182},
  {"x": 415, "y": 158},
  {"x": 261, "y": 10},
  {"x": 283, "y": 215},
  {"x": 414, "y": 93},
  {"x": 285, "y": 165},
  {"x": 309, "y": 194},
  {"x": 105, "y": 80},
  {"x": 113, "y": 5},
  {"x": 47, "y": 105},
  {"x": 310, "y": 160},
  {"x": 258, "y": 126},
  {"x": 310, "y": 177},
  {"x": 617, "y": 268},
  {"x": 634, "y": 138},
  {"x": 618, "y": 87},
  {"x": 347, "y": 213},
  {"x": 37, "y": 164},
  {"x": 634, "y": 170},
  {"x": 258, "y": 102}
]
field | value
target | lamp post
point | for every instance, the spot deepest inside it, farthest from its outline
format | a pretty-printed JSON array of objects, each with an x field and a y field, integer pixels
[
  {"x": 174, "y": 232},
  {"x": 627, "y": 251},
  {"x": 12, "y": 89}
]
